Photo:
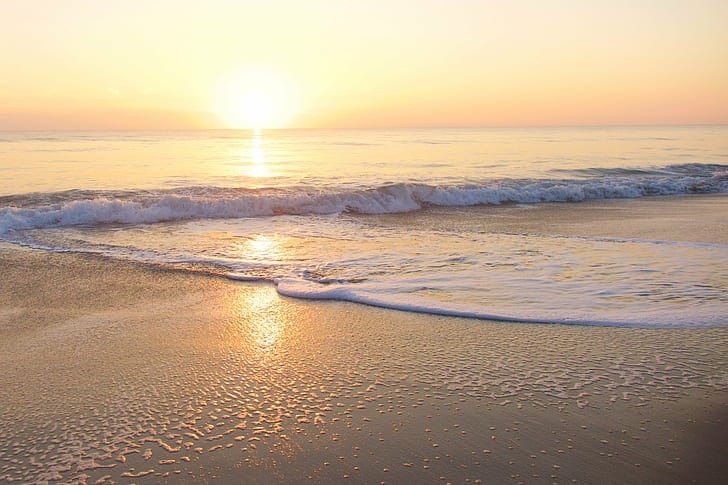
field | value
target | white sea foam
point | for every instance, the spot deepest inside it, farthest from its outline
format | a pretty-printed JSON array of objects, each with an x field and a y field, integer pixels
[
  {"x": 582, "y": 315},
  {"x": 34, "y": 211},
  {"x": 517, "y": 278}
]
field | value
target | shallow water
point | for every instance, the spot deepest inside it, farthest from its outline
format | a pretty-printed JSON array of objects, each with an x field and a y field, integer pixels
[{"x": 298, "y": 209}]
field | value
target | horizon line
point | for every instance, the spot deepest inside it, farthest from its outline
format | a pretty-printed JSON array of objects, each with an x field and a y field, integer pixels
[{"x": 373, "y": 128}]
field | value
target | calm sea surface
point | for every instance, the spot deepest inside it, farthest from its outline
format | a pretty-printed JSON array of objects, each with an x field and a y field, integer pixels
[{"x": 306, "y": 211}]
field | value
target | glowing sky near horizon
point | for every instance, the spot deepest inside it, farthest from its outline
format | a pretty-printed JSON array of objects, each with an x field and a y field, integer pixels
[{"x": 83, "y": 64}]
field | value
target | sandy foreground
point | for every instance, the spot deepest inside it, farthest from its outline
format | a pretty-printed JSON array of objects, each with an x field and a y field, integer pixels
[{"x": 120, "y": 372}]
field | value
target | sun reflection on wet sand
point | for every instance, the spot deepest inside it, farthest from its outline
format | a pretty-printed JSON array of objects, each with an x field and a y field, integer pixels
[
  {"x": 266, "y": 324},
  {"x": 258, "y": 328}
]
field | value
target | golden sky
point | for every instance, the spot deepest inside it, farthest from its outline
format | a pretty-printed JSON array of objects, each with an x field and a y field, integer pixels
[{"x": 105, "y": 64}]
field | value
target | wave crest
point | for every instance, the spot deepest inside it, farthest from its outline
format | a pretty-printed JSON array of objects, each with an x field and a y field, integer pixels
[{"x": 61, "y": 209}]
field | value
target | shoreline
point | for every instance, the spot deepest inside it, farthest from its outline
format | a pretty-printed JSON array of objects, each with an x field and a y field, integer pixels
[
  {"x": 120, "y": 371},
  {"x": 682, "y": 220}
]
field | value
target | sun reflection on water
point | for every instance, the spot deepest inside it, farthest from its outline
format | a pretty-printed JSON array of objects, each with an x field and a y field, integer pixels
[
  {"x": 257, "y": 166},
  {"x": 259, "y": 250},
  {"x": 262, "y": 246}
]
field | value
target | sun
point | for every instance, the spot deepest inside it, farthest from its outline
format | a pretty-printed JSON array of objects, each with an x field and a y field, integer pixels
[{"x": 255, "y": 100}]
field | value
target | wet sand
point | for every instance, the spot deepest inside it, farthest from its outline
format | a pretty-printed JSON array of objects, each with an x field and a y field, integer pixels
[{"x": 120, "y": 372}]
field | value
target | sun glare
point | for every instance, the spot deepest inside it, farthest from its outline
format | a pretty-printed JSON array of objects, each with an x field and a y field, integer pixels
[{"x": 255, "y": 100}]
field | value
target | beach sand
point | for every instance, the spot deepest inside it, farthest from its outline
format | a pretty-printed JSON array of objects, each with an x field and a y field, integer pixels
[{"x": 122, "y": 372}]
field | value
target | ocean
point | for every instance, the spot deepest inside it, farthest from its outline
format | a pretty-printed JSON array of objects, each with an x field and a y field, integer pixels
[{"x": 471, "y": 222}]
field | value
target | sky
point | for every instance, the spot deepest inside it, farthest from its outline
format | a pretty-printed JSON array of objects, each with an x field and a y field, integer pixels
[{"x": 87, "y": 64}]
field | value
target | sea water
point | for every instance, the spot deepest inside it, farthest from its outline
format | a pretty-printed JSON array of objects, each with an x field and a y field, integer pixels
[{"x": 405, "y": 219}]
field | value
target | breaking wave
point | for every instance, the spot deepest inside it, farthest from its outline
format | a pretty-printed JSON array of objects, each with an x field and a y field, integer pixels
[{"x": 88, "y": 207}]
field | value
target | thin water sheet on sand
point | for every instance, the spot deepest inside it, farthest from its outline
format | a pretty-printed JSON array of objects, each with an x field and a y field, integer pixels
[{"x": 125, "y": 373}]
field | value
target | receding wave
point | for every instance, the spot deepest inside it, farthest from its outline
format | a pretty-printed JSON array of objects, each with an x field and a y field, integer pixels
[
  {"x": 88, "y": 207},
  {"x": 657, "y": 319}
]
